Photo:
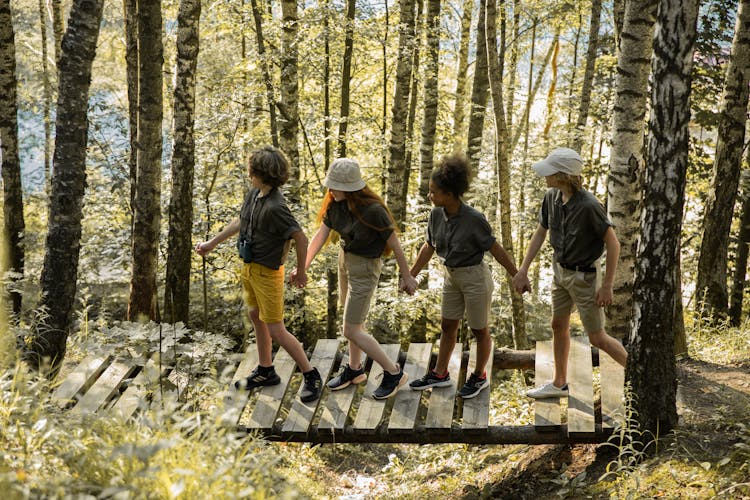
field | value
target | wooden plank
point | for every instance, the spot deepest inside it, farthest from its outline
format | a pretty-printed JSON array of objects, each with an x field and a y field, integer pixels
[
  {"x": 476, "y": 413},
  {"x": 138, "y": 391},
  {"x": 580, "y": 387},
  {"x": 301, "y": 414},
  {"x": 612, "y": 385},
  {"x": 370, "y": 409},
  {"x": 443, "y": 399},
  {"x": 80, "y": 378},
  {"x": 337, "y": 406},
  {"x": 406, "y": 402},
  {"x": 235, "y": 400},
  {"x": 267, "y": 405},
  {"x": 103, "y": 388},
  {"x": 547, "y": 410}
]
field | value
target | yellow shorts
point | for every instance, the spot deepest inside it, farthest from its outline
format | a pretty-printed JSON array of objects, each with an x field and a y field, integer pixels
[{"x": 263, "y": 289}]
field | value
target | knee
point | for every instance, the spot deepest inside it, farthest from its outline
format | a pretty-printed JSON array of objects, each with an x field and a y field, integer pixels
[
  {"x": 254, "y": 315},
  {"x": 598, "y": 339},
  {"x": 350, "y": 331},
  {"x": 559, "y": 325}
]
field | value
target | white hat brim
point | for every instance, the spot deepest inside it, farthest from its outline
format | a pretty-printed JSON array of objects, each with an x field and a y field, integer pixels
[
  {"x": 344, "y": 186},
  {"x": 543, "y": 168}
]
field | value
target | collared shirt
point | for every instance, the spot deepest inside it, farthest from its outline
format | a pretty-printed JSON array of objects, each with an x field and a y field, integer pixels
[
  {"x": 462, "y": 239},
  {"x": 576, "y": 228},
  {"x": 358, "y": 237},
  {"x": 267, "y": 223}
]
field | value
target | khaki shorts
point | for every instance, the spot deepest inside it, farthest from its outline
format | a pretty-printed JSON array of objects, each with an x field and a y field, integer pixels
[
  {"x": 468, "y": 289},
  {"x": 358, "y": 280},
  {"x": 577, "y": 289},
  {"x": 263, "y": 289}
]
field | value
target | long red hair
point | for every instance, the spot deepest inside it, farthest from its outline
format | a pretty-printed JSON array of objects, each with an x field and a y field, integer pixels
[{"x": 355, "y": 200}]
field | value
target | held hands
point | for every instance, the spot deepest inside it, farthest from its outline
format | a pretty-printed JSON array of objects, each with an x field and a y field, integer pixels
[
  {"x": 298, "y": 278},
  {"x": 408, "y": 284},
  {"x": 521, "y": 282},
  {"x": 603, "y": 296},
  {"x": 205, "y": 247}
]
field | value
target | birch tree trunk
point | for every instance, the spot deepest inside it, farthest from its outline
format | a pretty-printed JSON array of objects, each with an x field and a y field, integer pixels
[
  {"x": 588, "y": 75},
  {"x": 429, "y": 121},
  {"x": 651, "y": 364},
  {"x": 265, "y": 71},
  {"x": 346, "y": 75},
  {"x": 459, "y": 105},
  {"x": 626, "y": 160},
  {"x": 411, "y": 118},
  {"x": 289, "y": 105},
  {"x": 711, "y": 283},
  {"x": 740, "y": 263},
  {"x": 495, "y": 77},
  {"x": 177, "y": 283},
  {"x": 147, "y": 221},
  {"x": 479, "y": 93},
  {"x": 13, "y": 220},
  {"x": 60, "y": 269},
  {"x": 397, "y": 165}
]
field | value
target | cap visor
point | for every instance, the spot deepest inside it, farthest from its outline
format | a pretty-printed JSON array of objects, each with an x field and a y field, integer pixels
[{"x": 543, "y": 168}]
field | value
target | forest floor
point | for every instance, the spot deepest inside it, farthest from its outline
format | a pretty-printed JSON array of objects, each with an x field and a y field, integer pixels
[{"x": 707, "y": 456}]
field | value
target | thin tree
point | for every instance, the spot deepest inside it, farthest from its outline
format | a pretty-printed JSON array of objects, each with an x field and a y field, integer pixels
[
  {"x": 177, "y": 283},
  {"x": 430, "y": 102},
  {"x": 46, "y": 92},
  {"x": 13, "y": 220},
  {"x": 479, "y": 93},
  {"x": 58, "y": 27},
  {"x": 462, "y": 71},
  {"x": 711, "y": 282},
  {"x": 396, "y": 166},
  {"x": 740, "y": 263},
  {"x": 626, "y": 159},
  {"x": 346, "y": 75},
  {"x": 503, "y": 165},
  {"x": 651, "y": 366},
  {"x": 60, "y": 269},
  {"x": 588, "y": 75},
  {"x": 147, "y": 212},
  {"x": 131, "y": 75},
  {"x": 265, "y": 71},
  {"x": 332, "y": 275}
]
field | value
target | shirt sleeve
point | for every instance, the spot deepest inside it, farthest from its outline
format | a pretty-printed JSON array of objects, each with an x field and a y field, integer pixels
[
  {"x": 485, "y": 238},
  {"x": 284, "y": 221},
  {"x": 378, "y": 217},
  {"x": 429, "y": 237},
  {"x": 544, "y": 213},
  {"x": 599, "y": 220}
]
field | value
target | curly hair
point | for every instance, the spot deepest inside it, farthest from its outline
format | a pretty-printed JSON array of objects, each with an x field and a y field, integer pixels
[
  {"x": 270, "y": 165},
  {"x": 452, "y": 175}
]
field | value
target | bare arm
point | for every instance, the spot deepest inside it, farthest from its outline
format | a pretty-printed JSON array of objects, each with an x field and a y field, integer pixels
[
  {"x": 604, "y": 294},
  {"x": 502, "y": 256},
  {"x": 229, "y": 230},
  {"x": 300, "y": 244},
  {"x": 423, "y": 257},
  {"x": 408, "y": 283},
  {"x": 521, "y": 279}
]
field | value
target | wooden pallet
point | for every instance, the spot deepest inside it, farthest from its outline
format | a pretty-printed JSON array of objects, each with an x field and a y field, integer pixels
[{"x": 101, "y": 383}]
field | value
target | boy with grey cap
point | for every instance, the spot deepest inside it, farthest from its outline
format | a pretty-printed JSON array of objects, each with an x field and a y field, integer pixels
[{"x": 579, "y": 231}]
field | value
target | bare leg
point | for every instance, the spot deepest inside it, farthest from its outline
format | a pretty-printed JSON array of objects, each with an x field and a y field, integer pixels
[
  {"x": 367, "y": 343},
  {"x": 610, "y": 345},
  {"x": 448, "y": 339},
  {"x": 262, "y": 339},
  {"x": 484, "y": 349},
  {"x": 290, "y": 344},
  {"x": 561, "y": 348},
  {"x": 355, "y": 356}
]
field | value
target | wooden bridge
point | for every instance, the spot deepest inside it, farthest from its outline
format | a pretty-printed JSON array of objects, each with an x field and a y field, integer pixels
[{"x": 100, "y": 383}]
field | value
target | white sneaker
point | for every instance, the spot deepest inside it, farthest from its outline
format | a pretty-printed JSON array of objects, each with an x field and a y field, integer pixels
[{"x": 548, "y": 391}]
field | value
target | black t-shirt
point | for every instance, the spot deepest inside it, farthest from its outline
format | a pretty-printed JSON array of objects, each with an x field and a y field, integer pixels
[
  {"x": 460, "y": 240},
  {"x": 576, "y": 228},
  {"x": 267, "y": 223},
  {"x": 360, "y": 238}
]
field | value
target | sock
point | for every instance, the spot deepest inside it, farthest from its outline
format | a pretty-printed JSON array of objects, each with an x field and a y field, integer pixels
[
  {"x": 265, "y": 370},
  {"x": 482, "y": 376},
  {"x": 440, "y": 375}
]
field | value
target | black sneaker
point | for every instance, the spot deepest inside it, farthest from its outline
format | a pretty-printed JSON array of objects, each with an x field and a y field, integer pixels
[
  {"x": 431, "y": 379},
  {"x": 390, "y": 384},
  {"x": 311, "y": 387},
  {"x": 347, "y": 376},
  {"x": 473, "y": 386},
  {"x": 260, "y": 377}
]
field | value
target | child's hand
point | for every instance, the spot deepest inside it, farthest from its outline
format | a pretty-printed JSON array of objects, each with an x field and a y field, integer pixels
[
  {"x": 521, "y": 282},
  {"x": 298, "y": 278},
  {"x": 204, "y": 248},
  {"x": 408, "y": 284}
]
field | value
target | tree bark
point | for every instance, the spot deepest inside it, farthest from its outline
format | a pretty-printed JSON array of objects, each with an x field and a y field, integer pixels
[
  {"x": 740, "y": 263},
  {"x": 430, "y": 102},
  {"x": 626, "y": 160},
  {"x": 46, "y": 93},
  {"x": 60, "y": 269},
  {"x": 588, "y": 75},
  {"x": 495, "y": 77},
  {"x": 479, "y": 93},
  {"x": 58, "y": 27},
  {"x": 397, "y": 164},
  {"x": 13, "y": 220},
  {"x": 411, "y": 118},
  {"x": 147, "y": 220},
  {"x": 265, "y": 71},
  {"x": 711, "y": 282},
  {"x": 346, "y": 75},
  {"x": 459, "y": 105},
  {"x": 177, "y": 283},
  {"x": 131, "y": 71},
  {"x": 651, "y": 366}
]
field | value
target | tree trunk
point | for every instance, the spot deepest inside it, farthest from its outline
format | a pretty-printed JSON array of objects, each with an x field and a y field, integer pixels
[
  {"x": 495, "y": 77},
  {"x": 332, "y": 276},
  {"x": 46, "y": 93},
  {"x": 14, "y": 226},
  {"x": 429, "y": 121},
  {"x": 740, "y": 263},
  {"x": 626, "y": 160},
  {"x": 397, "y": 165},
  {"x": 459, "y": 105},
  {"x": 651, "y": 365},
  {"x": 512, "y": 71},
  {"x": 131, "y": 71},
  {"x": 412, "y": 116},
  {"x": 346, "y": 75},
  {"x": 57, "y": 28},
  {"x": 146, "y": 225},
  {"x": 177, "y": 283},
  {"x": 265, "y": 71},
  {"x": 711, "y": 283},
  {"x": 479, "y": 94},
  {"x": 60, "y": 269},
  {"x": 588, "y": 75},
  {"x": 618, "y": 10}
]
